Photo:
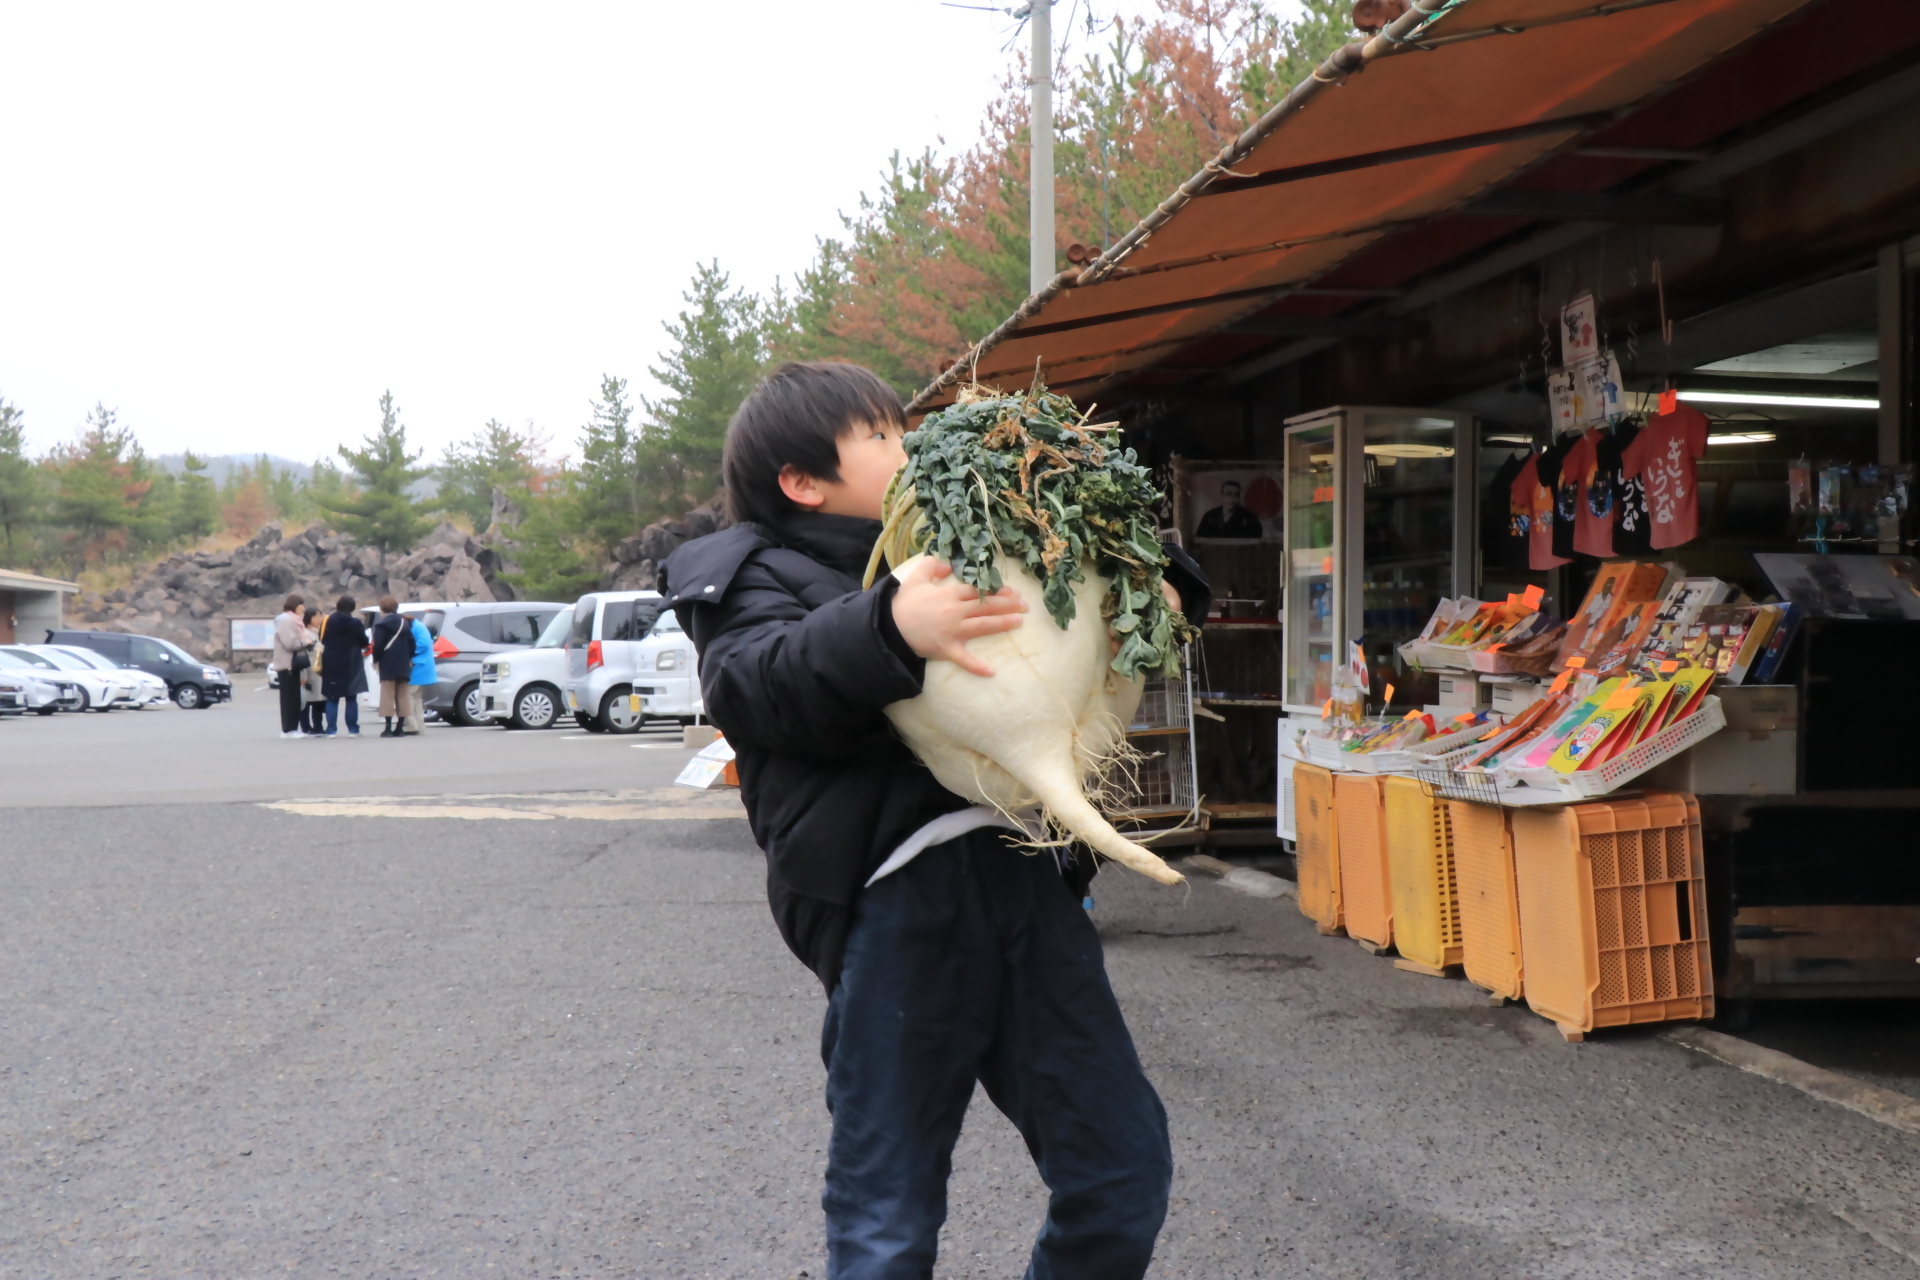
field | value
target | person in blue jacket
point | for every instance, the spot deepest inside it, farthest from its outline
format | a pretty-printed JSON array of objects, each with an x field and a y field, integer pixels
[{"x": 423, "y": 676}]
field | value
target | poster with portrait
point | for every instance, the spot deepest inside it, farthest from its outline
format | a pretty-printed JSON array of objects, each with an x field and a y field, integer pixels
[{"x": 1235, "y": 506}]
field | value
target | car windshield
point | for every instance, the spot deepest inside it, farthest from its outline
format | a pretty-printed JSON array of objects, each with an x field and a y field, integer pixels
[
  {"x": 179, "y": 654},
  {"x": 13, "y": 661},
  {"x": 30, "y": 659},
  {"x": 64, "y": 661},
  {"x": 98, "y": 661},
  {"x": 555, "y": 636}
]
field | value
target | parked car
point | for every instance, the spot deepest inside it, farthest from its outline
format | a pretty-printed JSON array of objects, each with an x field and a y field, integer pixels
[
  {"x": 148, "y": 689},
  {"x": 99, "y": 690},
  {"x": 465, "y": 636},
  {"x": 13, "y": 695},
  {"x": 627, "y": 661},
  {"x": 190, "y": 682},
  {"x": 47, "y": 691},
  {"x": 521, "y": 688}
]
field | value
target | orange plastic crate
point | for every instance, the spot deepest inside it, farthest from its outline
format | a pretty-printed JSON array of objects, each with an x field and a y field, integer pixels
[
  {"x": 1420, "y": 871},
  {"x": 1358, "y": 801},
  {"x": 1316, "y": 849},
  {"x": 1489, "y": 900},
  {"x": 1613, "y": 913}
]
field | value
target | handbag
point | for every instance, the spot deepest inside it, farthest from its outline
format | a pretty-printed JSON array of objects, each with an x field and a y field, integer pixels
[
  {"x": 302, "y": 659},
  {"x": 319, "y": 650}
]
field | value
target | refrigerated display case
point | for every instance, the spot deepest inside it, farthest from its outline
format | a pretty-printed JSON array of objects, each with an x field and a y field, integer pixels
[{"x": 1380, "y": 524}]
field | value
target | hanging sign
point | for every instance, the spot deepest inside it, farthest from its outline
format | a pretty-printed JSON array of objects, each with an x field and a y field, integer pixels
[{"x": 1579, "y": 331}]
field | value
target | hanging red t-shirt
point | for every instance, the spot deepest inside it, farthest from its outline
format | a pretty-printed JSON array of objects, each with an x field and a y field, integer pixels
[
  {"x": 1662, "y": 457},
  {"x": 1531, "y": 505},
  {"x": 1593, "y": 499}
]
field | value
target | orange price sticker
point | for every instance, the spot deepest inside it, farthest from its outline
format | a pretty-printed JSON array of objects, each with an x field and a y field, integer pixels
[
  {"x": 1326, "y": 564},
  {"x": 1465, "y": 717},
  {"x": 1415, "y": 714},
  {"x": 1386, "y": 697},
  {"x": 1669, "y": 401},
  {"x": 1670, "y": 666},
  {"x": 1326, "y": 708},
  {"x": 1575, "y": 663},
  {"x": 1532, "y": 597},
  {"x": 1560, "y": 682}
]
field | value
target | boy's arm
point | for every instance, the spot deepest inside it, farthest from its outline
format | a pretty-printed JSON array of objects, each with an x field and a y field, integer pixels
[{"x": 798, "y": 681}]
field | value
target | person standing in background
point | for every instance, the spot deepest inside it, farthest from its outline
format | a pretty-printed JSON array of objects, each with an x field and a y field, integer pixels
[
  {"x": 288, "y": 639},
  {"x": 424, "y": 674},
  {"x": 343, "y": 643},
  {"x": 393, "y": 655},
  {"x": 313, "y": 703}
]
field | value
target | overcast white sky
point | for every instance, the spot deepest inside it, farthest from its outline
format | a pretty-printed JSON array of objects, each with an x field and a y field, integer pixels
[{"x": 239, "y": 223}]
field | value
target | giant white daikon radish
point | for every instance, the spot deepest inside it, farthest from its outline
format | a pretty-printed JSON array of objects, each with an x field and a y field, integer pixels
[{"x": 1021, "y": 491}]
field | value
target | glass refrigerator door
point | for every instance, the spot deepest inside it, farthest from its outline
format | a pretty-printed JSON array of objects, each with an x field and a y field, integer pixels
[
  {"x": 1313, "y": 525},
  {"x": 1401, "y": 536}
]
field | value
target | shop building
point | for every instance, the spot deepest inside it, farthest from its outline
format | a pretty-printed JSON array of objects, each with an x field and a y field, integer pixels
[
  {"x": 31, "y": 606},
  {"x": 1342, "y": 340}
]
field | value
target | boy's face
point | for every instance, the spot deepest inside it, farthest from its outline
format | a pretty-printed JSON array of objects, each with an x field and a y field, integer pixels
[{"x": 869, "y": 455}]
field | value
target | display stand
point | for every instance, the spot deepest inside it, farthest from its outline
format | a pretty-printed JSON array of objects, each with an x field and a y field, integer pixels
[{"x": 1159, "y": 790}]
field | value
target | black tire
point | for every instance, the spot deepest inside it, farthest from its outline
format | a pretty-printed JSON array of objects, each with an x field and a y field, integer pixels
[
  {"x": 535, "y": 707},
  {"x": 617, "y": 714},
  {"x": 188, "y": 696},
  {"x": 465, "y": 707},
  {"x": 86, "y": 701},
  {"x": 590, "y": 723},
  {"x": 44, "y": 711}
]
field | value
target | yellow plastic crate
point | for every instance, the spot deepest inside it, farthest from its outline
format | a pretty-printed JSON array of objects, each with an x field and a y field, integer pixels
[
  {"x": 1364, "y": 892},
  {"x": 1613, "y": 912},
  {"x": 1426, "y": 903},
  {"x": 1316, "y": 849},
  {"x": 1489, "y": 900}
]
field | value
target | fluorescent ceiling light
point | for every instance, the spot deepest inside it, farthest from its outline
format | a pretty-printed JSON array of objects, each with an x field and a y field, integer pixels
[
  {"x": 1797, "y": 402},
  {"x": 1821, "y": 354},
  {"x": 1509, "y": 439},
  {"x": 1742, "y": 437}
]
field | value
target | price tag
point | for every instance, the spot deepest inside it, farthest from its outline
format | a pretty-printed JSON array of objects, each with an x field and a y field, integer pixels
[
  {"x": 1386, "y": 698},
  {"x": 1532, "y": 597},
  {"x": 1326, "y": 708},
  {"x": 1575, "y": 663},
  {"x": 1669, "y": 401},
  {"x": 1669, "y": 666},
  {"x": 1560, "y": 682},
  {"x": 1415, "y": 714},
  {"x": 1465, "y": 718}
]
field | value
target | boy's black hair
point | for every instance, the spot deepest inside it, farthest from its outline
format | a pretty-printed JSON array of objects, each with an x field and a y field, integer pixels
[{"x": 796, "y": 416}]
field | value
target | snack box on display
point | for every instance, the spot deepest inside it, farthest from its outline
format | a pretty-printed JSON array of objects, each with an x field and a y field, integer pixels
[{"x": 1541, "y": 785}]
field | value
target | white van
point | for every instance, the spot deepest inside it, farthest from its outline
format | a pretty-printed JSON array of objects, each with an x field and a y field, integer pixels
[{"x": 627, "y": 662}]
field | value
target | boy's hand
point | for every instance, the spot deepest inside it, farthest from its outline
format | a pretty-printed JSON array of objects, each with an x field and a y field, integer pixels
[{"x": 937, "y": 614}]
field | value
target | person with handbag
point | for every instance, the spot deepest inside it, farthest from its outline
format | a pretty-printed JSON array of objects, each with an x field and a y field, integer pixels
[
  {"x": 393, "y": 655},
  {"x": 343, "y": 642},
  {"x": 425, "y": 675},
  {"x": 313, "y": 703},
  {"x": 287, "y": 646}
]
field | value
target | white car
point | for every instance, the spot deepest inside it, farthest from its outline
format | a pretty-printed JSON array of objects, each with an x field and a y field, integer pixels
[
  {"x": 46, "y": 691},
  {"x": 520, "y": 688},
  {"x": 99, "y": 690},
  {"x": 628, "y": 661},
  {"x": 148, "y": 688}
]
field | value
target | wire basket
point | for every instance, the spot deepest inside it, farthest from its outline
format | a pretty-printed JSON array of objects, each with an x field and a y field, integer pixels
[
  {"x": 1161, "y": 782},
  {"x": 1163, "y": 705}
]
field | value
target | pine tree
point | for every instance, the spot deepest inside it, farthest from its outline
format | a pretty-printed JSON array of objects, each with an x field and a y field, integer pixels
[
  {"x": 22, "y": 497},
  {"x": 197, "y": 513},
  {"x": 605, "y": 494},
  {"x": 559, "y": 557},
  {"x": 383, "y": 515},
  {"x": 719, "y": 351},
  {"x": 92, "y": 478},
  {"x": 495, "y": 456}
]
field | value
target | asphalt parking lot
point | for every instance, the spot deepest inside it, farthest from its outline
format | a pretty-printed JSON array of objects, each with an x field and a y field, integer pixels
[{"x": 483, "y": 1003}]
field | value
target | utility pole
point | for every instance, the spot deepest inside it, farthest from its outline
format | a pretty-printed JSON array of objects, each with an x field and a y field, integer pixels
[{"x": 1040, "y": 252}]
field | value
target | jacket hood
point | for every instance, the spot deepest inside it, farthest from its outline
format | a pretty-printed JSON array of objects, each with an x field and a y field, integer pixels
[{"x": 701, "y": 571}]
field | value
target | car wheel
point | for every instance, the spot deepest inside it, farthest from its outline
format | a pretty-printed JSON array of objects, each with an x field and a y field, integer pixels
[
  {"x": 617, "y": 714},
  {"x": 187, "y": 697},
  {"x": 44, "y": 711},
  {"x": 86, "y": 702},
  {"x": 535, "y": 708},
  {"x": 590, "y": 723},
  {"x": 465, "y": 709}
]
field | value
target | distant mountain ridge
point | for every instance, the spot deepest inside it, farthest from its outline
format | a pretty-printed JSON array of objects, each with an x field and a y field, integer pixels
[{"x": 220, "y": 466}]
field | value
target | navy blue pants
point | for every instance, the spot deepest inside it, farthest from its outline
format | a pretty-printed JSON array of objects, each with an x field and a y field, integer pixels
[{"x": 976, "y": 962}]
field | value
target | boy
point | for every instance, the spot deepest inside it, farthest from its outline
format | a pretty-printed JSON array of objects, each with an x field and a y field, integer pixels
[{"x": 948, "y": 955}]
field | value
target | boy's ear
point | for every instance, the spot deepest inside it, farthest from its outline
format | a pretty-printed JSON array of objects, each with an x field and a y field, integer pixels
[{"x": 801, "y": 489}]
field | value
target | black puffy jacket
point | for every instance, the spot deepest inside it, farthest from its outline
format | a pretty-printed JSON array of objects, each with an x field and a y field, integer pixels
[{"x": 797, "y": 664}]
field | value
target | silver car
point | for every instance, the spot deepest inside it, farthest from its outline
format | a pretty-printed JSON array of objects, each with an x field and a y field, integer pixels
[
  {"x": 465, "y": 636},
  {"x": 628, "y": 662}
]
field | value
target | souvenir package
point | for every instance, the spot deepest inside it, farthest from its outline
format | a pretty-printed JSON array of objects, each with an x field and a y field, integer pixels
[
  {"x": 1666, "y": 640},
  {"x": 1786, "y": 624},
  {"x": 1618, "y": 589}
]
